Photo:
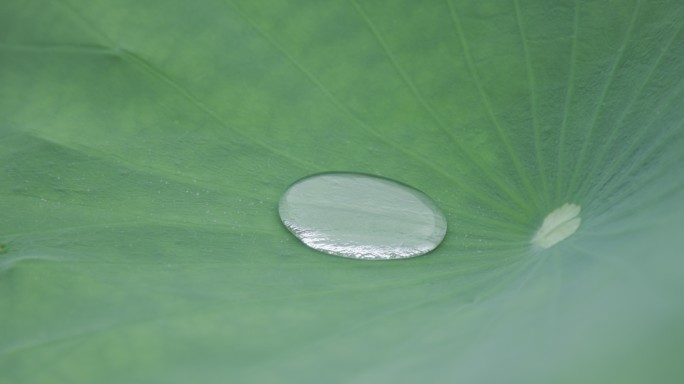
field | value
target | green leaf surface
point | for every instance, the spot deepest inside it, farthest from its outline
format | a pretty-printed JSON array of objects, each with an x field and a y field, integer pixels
[{"x": 144, "y": 146}]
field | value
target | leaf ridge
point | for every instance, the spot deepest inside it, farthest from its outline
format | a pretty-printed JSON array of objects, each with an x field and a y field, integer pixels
[{"x": 560, "y": 160}]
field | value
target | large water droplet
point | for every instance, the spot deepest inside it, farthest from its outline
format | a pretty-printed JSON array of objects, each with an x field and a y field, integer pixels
[{"x": 362, "y": 217}]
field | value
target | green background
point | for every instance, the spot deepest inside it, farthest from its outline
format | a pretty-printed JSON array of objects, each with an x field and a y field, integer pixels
[{"x": 144, "y": 146}]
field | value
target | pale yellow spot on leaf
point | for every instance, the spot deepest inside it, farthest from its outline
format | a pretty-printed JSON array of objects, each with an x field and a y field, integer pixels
[{"x": 558, "y": 226}]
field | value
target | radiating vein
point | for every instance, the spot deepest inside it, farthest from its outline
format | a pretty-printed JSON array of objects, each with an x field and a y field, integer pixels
[
  {"x": 405, "y": 78},
  {"x": 617, "y": 162},
  {"x": 220, "y": 227},
  {"x": 533, "y": 100},
  {"x": 599, "y": 106},
  {"x": 620, "y": 189},
  {"x": 61, "y": 48},
  {"x": 604, "y": 216},
  {"x": 637, "y": 159},
  {"x": 534, "y": 196},
  {"x": 190, "y": 181},
  {"x": 532, "y": 265}
]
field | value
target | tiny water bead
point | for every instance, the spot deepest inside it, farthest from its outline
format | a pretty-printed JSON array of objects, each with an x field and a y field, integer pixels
[
  {"x": 362, "y": 216},
  {"x": 557, "y": 226}
]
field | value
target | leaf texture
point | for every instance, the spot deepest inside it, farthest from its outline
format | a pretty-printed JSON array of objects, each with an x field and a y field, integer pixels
[{"x": 144, "y": 146}]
